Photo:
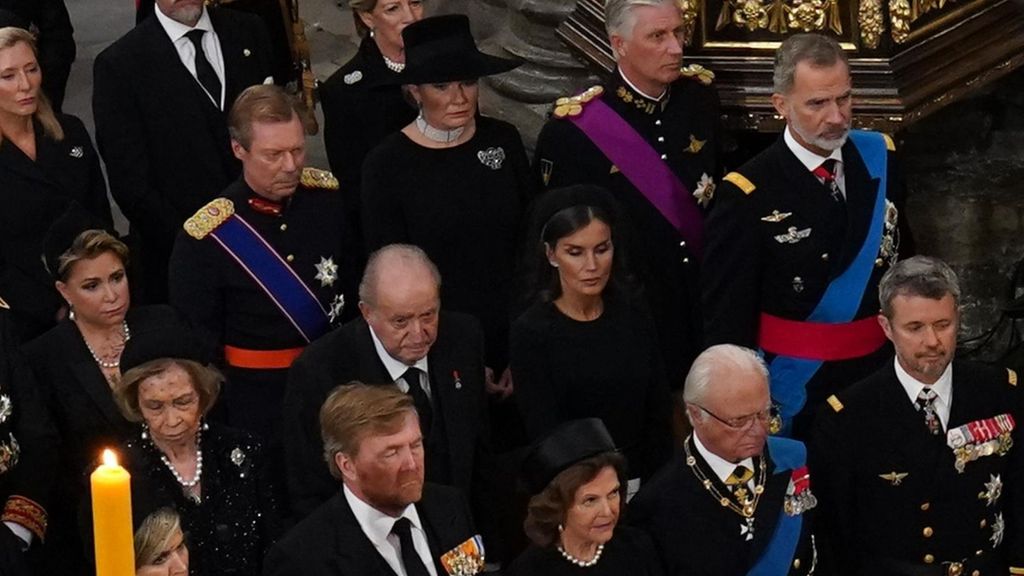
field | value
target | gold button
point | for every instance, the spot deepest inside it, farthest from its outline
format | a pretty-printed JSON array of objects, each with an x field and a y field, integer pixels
[
  {"x": 825, "y": 256},
  {"x": 928, "y": 559},
  {"x": 796, "y": 563},
  {"x": 926, "y": 506},
  {"x": 955, "y": 569},
  {"x": 290, "y": 258},
  {"x": 284, "y": 227},
  {"x": 976, "y": 573},
  {"x": 983, "y": 523},
  {"x": 686, "y": 260},
  {"x": 927, "y": 531}
]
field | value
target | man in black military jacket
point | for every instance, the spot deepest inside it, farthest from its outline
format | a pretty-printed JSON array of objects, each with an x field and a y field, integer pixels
[
  {"x": 919, "y": 467},
  {"x": 161, "y": 108},
  {"x": 385, "y": 520},
  {"x": 241, "y": 307},
  {"x": 733, "y": 498},
  {"x": 28, "y": 456},
  {"x": 675, "y": 112},
  {"x": 402, "y": 326},
  {"x": 778, "y": 234}
]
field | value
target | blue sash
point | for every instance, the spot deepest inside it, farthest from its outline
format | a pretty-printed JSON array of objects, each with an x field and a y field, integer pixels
[
  {"x": 789, "y": 376},
  {"x": 284, "y": 287},
  {"x": 787, "y": 455}
]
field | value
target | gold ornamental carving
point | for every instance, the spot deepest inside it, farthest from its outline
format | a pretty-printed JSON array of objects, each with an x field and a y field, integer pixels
[
  {"x": 690, "y": 10},
  {"x": 869, "y": 16},
  {"x": 779, "y": 16},
  {"x": 900, "y": 16}
]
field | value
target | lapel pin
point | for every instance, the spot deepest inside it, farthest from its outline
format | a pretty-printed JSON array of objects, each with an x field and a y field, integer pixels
[
  {"x": 77, "y": 152},
  {"x": 895, "y": 478},
  {"x": 246, "y": 52},
  {"x": 458, "y": 381}
]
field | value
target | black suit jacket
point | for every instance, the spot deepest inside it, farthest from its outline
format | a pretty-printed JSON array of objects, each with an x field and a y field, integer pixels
[
  {"x": 330, "y": 542},
  {"x": 348, "y": 354},
  {"x": 697, "y": 536},
  {"x": 872, "y": 433},
  {"x": 747, "y": 270},
  {"x": 165, "y": 143}
]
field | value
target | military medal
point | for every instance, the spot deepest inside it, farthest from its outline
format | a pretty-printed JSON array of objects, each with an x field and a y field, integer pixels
[
  {"x": 993, "y": 490},
  {"x": 998, "y": 527},
  {"x": 326, "y": 271},
  {"x": 466, "y": 559},
  {"x": 895, "y": 478},
  {"x": 792, "y": 236},
  {"x": 5, "y": 407},
  {"x": 981, "y": 438},
  {"x": 704, "y": 191},
  {"x": 695, "y": 145},
  {"x": 337, "y": 305},
  {"x": 799, "y": 498},
  {"x": 740, "y": 501},
  {"x": 776, "y": 216},
  {"x": 9, "y": 453},
  {"x": 492, "y": 157}
]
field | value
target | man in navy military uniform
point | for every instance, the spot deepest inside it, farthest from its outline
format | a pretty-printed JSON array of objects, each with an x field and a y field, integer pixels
[
  {"x": 798, "y": 237},
  {"x": 651, "y": 135},
  {"x": 263, "y": 270},
  {"x": 919, "y": 467}
]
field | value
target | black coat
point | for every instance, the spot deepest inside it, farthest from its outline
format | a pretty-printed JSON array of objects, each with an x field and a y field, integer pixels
[
  {"x": 28, "y": 449},
  {"x": 330, "y": 542},
  {"x": 748, "y": 271},
  {"x": 668, "y": 270},
  {"x": 55, "y": 37},
  {"x": 696, "y": 536},
  {"x": 889, "y": 490},
  {"x": 34, "y": 194},
  {"x": 348, "y": 354},
  {"x": 165, "y": 144}
]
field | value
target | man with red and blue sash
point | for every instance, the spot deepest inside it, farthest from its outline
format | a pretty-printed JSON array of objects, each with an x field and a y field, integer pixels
[
  {"x": 650, "y": 135},
  {"x": 798, "y": 238}
]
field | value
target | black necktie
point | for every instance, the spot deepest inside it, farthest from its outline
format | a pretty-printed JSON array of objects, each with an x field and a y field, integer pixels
[
  {"x": 419, "y": 399},
  {"x": 204, "y": 70},
  {"x": 410, "y": 559}
]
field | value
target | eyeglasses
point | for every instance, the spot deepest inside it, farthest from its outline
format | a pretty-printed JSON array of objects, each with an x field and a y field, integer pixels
[{"x": 766, "y": 416}]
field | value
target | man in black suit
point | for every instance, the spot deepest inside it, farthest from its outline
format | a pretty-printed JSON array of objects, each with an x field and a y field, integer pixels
[
  {"x": 920, "y": 467},
  {"x": 798, "y": 237},
  {"x": 733, "y": 503},
  {"x": 401, "y": 335},
  {"x": 385, "y": 521},
  {"x": 160, "y": 107}
]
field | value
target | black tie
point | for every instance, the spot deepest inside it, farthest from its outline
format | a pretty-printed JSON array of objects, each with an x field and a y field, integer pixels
[
  {"x": 419, "y": 399},
  {"x": 410, "y": 559},
  {"x": 204, "y": 71}
]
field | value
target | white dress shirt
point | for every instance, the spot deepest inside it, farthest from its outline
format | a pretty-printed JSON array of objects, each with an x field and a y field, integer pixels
[
  {"x": 720, "y": 466},
  {"x": 396, "y": 368},
  {"x": 186, "y": 50},
  {"x": 377, "y": 527},
  {"x": 943, "y": 388},
  {"x": 812, "y": 160}
]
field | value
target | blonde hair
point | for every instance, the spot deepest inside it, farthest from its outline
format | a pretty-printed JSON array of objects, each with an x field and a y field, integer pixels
[
  {"x": 88, "y": 245},
  {"x": 10, "y": 37},
  {"x": 357, "y": 410},
  {"x": 154, "y": 535}
]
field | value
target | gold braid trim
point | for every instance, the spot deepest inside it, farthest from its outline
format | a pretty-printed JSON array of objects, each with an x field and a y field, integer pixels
[
  {"x": 27, "y": 513},
  {"x": 209, "y": 217}
]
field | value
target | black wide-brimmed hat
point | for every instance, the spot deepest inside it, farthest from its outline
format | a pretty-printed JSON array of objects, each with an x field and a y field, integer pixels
[
  {"x": 442, "y": 49},
  {"x": 566, "y": 445}
]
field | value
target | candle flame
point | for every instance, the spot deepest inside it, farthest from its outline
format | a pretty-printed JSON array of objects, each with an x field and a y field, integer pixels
[{"x": 109, "y": 457}]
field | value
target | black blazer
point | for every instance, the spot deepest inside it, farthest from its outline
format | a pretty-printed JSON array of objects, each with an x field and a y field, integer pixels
[
  {"x": 330, "y": 542},
  {"x": 348, "y": 354},
  {"x": 165, "y": 144},
  {"x": 34, "y": 194}
]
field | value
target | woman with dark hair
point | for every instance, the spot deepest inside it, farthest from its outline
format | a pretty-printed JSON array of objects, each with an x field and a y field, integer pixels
[
  {"x": 585, "y": 347},
  {"x": 579, "y": 484},
  {"x": 46, "y": 161}
]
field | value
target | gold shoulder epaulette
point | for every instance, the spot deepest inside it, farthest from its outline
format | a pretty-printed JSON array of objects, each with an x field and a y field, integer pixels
[
  {"x": 1015, "y": 570},
  {"x": 698, "y": 72},
  {"x": 4, "y": 305},
  {"x": 209, "y": 217},
  {"x": 316, "y": 178},
  {"x": 740, "y": 181},
  {"x": 835, "y": 403},
  {"x": 1011, "y": 377},
  {"x": 573, "y": 105},
  {"x": 889, "y": 144}
]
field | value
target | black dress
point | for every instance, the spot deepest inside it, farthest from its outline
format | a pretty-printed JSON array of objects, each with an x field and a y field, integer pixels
[
  {"x": 628, "y": 553},
  {"x": 464, "y": 206},
  {"x": 608, "y": 368},
  {"x": 237, "y": 520}
]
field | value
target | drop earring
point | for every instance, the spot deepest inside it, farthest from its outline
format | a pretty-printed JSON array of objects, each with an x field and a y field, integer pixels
[
  {"x": 145, "y": 431},
  {"x": 371, "y": 32},
  {"x": 553, "y": 263}
]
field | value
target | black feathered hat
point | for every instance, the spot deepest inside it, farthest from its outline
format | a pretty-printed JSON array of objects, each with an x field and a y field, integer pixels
[
  {"x": 442, "y": 49},
  {"x": 568, "y": 444}
]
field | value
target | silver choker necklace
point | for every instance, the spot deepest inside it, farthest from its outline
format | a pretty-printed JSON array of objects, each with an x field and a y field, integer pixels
[
  {"x": 582, "y": 563},
  {"x": 395, "y": 67},
  {"x": 436, "y": 134},
  {"x": 126, "y": 335}
]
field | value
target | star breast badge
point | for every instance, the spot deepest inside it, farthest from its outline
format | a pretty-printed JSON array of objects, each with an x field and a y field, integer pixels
[{"x": 326, "y": 271}]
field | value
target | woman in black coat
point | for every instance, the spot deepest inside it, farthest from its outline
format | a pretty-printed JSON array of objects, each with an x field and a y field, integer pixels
[{"x": 46, "y": 162}]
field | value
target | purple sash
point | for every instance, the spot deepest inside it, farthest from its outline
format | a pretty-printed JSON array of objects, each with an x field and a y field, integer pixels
[{"x": 644, "y": 168}]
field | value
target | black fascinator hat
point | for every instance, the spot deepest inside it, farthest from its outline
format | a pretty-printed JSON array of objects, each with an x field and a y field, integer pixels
[
  {"x": 442, "y": 49},
  {"x": 62, "y": 234},
  {"x": 566, "y": 445}
]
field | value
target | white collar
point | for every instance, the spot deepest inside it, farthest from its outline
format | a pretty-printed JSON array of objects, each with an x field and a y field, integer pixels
[
  {"x": 809, "y": 159},
  {"x": 176, "y": 30},
  {"x": 720, "y": 466},
  {"x": 641, "y": 92},
  {"x": 943, "y": 388},
  {"x": 376, "y": 524},
  {"x": 395, "y": 367}
]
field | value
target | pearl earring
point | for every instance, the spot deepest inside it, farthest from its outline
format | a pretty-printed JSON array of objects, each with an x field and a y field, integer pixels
[
  {"x": 371, "y": 32},
  {"x": 553, "y": 264},
  {"x": 145, "y": 431}
]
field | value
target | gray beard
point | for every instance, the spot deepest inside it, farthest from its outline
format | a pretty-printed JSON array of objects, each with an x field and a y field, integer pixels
[{"x": 187, "y": 16}]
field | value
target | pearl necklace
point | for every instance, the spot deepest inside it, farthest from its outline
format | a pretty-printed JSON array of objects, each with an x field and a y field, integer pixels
[
  {"x": 395, "y": 67},
  {"x": 199, "y": 468},
  {"x": 126, "y": 335},
  {"x": 436, "y": 134},
  {"x": 582, "y": 563}
]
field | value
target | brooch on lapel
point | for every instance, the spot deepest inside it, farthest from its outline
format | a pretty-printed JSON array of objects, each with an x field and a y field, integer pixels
[
  {"x": 353, "y": 77},
  {"x": 5, "y": 408},
  {"x": 76, "y": 152},
  {"x": 799, "y": 498},
  {"x": 492, "y": 157},
  {"x": 246, "y": 52},
  {"x": 980, "y": 438},
  {"x": 465, "y": 559}
]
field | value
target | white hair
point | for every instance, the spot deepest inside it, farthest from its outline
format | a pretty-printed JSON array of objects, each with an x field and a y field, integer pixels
[
  {"x": 619, "y": 16},
  {"x": 712, "y": 361}
]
